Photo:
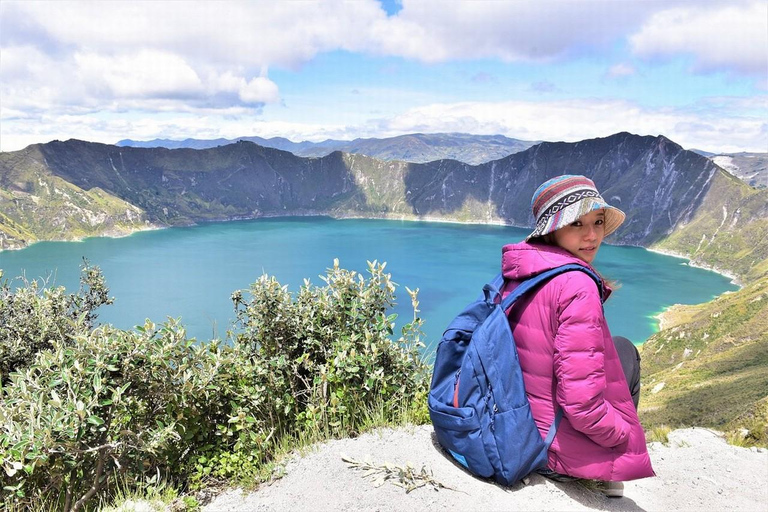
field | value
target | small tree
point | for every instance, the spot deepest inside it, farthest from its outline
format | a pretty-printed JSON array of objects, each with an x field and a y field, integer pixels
[{"x": 34, "y": 317}]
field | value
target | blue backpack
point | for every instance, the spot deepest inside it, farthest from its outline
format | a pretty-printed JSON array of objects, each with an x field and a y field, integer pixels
[{"x": 477, "y": 400}]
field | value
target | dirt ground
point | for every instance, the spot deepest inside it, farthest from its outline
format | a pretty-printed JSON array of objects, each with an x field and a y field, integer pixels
[{"x": 696, "y": 471}]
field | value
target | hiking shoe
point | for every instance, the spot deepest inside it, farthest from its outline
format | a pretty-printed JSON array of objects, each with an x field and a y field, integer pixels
[{"x": 612, "y": 489}]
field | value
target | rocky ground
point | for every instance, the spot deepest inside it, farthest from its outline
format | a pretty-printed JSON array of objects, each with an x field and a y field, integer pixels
[{"x": 697, "y": 470}]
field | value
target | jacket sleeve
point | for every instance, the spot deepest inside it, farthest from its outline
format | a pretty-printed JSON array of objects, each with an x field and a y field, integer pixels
[{"x": 579, "y": 363}]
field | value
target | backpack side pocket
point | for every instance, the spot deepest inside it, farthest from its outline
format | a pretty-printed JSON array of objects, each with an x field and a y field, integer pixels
[
  {"x": 458, "y": 430},
  {"x": 521, "y": 448}
]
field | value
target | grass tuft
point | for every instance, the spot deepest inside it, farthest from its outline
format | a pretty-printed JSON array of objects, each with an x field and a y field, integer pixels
[{"x": 658, "y": 434}]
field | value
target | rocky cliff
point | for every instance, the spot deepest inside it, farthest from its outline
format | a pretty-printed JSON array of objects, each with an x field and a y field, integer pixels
[{"x": 751, "y": 168}]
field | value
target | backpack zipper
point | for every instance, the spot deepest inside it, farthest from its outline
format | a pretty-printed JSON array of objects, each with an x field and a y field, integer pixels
[
  {"x": 488, "y": 398},
  {"x": 456, "y": 389}
]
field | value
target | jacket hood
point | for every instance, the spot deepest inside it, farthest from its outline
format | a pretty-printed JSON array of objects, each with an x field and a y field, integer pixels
[{"x": 524, "y": 260}]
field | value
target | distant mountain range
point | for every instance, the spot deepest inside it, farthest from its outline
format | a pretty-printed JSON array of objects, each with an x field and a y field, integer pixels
[
  {"x": 751, "y": 168},
  {"x": 676, "y": 200},
  {"x": 417, "y": 147}
]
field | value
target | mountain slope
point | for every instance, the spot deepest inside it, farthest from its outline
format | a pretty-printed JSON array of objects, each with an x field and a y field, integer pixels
[
  {"x": 709, "y": 365},
  {"x": 184, "y": 186},
  {"x": 657, "y": 183},
  {"x": 37, "y": 205},
  {"x": 728, "y": 231}
]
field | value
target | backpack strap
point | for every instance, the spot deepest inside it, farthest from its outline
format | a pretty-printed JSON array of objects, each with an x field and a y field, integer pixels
[
  {"x": 534, "y": 281},
  {"x": 553, "y": 428},
  {"x": 498, "y": 281},
  {"x": 492, "y": 289},
  {"x": 528, "y": 285}
]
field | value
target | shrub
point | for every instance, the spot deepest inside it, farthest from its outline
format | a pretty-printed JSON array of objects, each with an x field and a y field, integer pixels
[
  {"x": 112, "y": 403},
  {"x": 328, "y": 352},
  {"x": 34, "y": 318},
  {"x": 105, "y": 407}
]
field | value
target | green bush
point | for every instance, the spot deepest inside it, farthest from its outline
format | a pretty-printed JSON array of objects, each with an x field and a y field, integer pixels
[
  {"x": 111, "y": 406},
  {"x": 34, "y": 318},
  {"x": 112, "y": 403},
  {"x": 328, "y": 351}
]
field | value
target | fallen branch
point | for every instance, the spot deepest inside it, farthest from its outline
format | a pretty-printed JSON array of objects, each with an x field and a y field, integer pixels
[{"x": 402, "y": 476}]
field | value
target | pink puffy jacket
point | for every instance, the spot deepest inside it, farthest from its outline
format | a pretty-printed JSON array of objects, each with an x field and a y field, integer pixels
[{"x": 568, "y": 357}]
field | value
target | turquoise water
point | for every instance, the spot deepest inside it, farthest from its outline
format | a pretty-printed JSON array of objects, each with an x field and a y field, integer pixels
[{"x": 191, "y": 272}]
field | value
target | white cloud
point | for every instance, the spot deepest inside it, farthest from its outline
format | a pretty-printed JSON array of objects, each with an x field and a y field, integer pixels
[
  {"x": 703, "y": 126},
  {"x": 69, "y": 55},
  {"x": 725, "y": 38},
  {"x": 88, "y": 54},
  {"x": 621, "y": 71},
  {"x": 247, "y": 35},
  {"x": 259, "y": 90},
  {"x": 221, "y": 33},
  {"x": 199, "y": 67},
  {"x": 145, "y": 74},
  {"x": 527, "y": 30},
  {"x": 713, "y": 125}
]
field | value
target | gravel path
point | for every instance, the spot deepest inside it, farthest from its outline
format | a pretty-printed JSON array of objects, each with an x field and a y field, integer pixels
[{"x": 696, "y": 471}]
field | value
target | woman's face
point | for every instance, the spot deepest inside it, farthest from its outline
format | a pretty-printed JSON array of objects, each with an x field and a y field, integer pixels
[{"x": 583, "y": 237}]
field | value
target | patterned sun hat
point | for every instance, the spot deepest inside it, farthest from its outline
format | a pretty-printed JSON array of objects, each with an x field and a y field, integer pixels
[{"x": 563, "y": 199}]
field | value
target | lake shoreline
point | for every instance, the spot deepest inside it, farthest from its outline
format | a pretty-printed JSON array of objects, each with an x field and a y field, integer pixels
[
  {"x": 106, "y": 234},
  {"x": 663, "y": 317},
  {"x": 688, "y": 261},
  {"x": 415, "y": 248},
  {"x": 306, "y": 213},
  {"x": 357, "y": 216}
]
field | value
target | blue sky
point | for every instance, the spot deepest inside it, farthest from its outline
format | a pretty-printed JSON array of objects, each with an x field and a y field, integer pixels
[{"x": 693, "y": 70}]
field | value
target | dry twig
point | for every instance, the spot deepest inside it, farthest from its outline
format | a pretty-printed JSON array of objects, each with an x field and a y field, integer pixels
[{"x": 402, "y": 476}]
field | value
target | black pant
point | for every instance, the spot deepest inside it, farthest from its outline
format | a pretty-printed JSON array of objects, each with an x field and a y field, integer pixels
[{"x": 630, "y": 362}]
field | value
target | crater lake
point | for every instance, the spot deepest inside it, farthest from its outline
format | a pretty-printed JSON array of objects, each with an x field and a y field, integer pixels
[{"x": 191, "y": 272}]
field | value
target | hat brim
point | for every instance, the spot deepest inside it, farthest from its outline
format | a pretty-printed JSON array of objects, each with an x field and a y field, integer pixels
[{"x": 613, "y": 217}]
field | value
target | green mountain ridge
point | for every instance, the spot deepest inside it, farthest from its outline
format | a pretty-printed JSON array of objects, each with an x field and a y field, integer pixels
[{"x": 729, "y": 231}]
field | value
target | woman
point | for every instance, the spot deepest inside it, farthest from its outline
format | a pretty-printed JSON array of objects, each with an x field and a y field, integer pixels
[{"x": 567, "y": 355}]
